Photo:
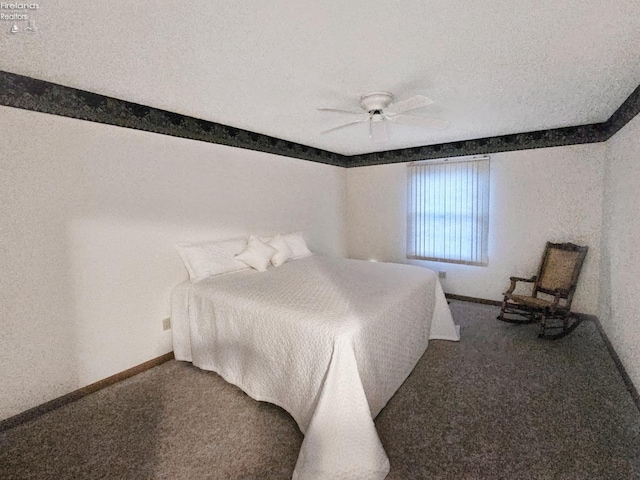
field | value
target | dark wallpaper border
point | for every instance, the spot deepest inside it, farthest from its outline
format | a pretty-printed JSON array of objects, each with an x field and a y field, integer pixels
[
  {"x": 40, "y": 96},
  {"x": 28, "y": 93}
]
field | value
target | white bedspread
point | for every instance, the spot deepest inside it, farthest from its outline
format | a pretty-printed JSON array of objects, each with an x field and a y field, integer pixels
[{"x": 329, "y": 340}]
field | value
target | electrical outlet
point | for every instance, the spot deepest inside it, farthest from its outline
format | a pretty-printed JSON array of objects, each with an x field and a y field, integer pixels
[
  {"x": 166, "y": 323},
  {"x": 442, "y": 275}
]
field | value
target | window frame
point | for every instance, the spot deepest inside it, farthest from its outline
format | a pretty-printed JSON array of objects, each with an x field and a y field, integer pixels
[{"x": 476, "y": 193}]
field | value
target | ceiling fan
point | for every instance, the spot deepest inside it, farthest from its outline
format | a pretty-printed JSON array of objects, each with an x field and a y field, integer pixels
[{"x": 379, "y": 108}]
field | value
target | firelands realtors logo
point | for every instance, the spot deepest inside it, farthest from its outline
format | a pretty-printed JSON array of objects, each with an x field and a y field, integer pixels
[{"x": 19, "y": 16}]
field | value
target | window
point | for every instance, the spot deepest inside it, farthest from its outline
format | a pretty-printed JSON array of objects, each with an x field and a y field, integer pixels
[{"x": 448, "y": 211}]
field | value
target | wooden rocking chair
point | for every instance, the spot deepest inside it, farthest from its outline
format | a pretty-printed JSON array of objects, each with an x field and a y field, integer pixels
[{"x": 552, "y": 293}]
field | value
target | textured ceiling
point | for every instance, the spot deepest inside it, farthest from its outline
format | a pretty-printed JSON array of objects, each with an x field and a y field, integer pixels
[{"x": 493, "y": 67}]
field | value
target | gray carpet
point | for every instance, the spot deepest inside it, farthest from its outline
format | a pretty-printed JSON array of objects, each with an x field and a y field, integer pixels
[{"x": 501, "y": 404}]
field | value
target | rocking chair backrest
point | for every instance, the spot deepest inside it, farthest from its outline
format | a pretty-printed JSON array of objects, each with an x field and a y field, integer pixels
[{"x": 559, "y": 269}]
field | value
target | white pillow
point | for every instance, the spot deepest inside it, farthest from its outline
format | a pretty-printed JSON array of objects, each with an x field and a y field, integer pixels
[
  {"x": 283, "y": 251},
  {"x": 207, "y": 259},
  {"x": 297, "y": 245},
  {"x": 257, "y": 254}
]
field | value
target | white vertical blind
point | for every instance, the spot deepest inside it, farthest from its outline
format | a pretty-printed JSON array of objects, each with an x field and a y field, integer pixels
[{"x": 448, "y": 211}]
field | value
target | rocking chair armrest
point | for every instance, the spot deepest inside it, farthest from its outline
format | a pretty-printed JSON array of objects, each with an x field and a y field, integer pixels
[
  {"x": 520, "y": 279},
  {"x": 558, "y": 294},
  {"x": 514, "y": 280}
]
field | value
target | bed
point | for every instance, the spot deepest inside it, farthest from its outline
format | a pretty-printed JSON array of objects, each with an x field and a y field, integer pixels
[{"x": 329, "y": 340}]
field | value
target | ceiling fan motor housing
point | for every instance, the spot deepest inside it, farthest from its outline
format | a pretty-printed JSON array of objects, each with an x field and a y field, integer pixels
[{"x": 376, "y": 101}]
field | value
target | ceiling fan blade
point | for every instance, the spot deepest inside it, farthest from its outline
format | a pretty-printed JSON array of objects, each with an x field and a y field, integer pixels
[
  {"x": 418, "y": 121},
  {"x": 339, "y": 110},
  {"x": 339, "y": 127},
  {"x": 411, "y": 103},
  {"x": 378, "y": 131}
]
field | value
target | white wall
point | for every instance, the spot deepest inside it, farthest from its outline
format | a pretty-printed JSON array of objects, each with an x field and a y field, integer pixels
[
  {"x": 89, "y": 214},
  {"x": 620, "y": 292},
  {"x": 88, "y": 217},
  {"x": 550, "y": 194}
]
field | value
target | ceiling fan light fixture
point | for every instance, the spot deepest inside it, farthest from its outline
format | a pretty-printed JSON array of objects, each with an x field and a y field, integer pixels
[
  {"x": 377, "y": 116},
  {"x": 378, "y": 131}
]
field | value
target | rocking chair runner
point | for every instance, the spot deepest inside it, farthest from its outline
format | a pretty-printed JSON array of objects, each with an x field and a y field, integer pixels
[{"x": 553, "y": 289}]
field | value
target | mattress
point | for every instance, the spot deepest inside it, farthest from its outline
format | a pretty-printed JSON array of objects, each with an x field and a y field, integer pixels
[{"x": 329, "y": 340}]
